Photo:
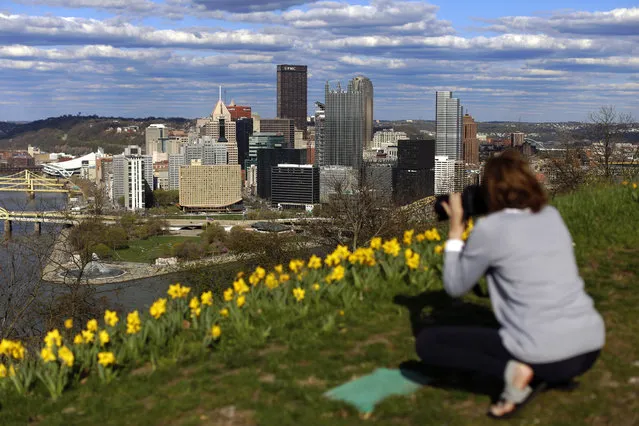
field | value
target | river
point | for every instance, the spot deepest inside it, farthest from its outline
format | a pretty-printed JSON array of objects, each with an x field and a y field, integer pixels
[{"x": 126, "y": 296}]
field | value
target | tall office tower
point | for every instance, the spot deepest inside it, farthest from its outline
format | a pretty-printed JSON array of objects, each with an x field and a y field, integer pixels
[
  {"x": 284, "y": 126},
  {"x": 344, "y": 127},
  {"x": 292, "y": 94},
  {"x": 517, "y": 139},
  {"x": 243, "y": 131},
  {"x": 414, "y": 176},
  {"x": 445, "y": 171},
  {"x": 262, "y": 140},
  {"x": 221, "y": 117},
  {"x": 364, "y": 85},
  {"x": 132, "y": 178},
  {"x": 449, "y": 126},
  {"x": 471, "y": 143},
  {"x": 320, "y": 119},
  {"x": 155, "y": 137}
]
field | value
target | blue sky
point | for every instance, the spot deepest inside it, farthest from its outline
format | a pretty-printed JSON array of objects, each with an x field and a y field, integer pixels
[{"x": 530, "y": 61}]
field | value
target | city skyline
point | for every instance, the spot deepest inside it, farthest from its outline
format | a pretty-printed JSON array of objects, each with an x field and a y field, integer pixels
[{"x": 547, "y": 61}]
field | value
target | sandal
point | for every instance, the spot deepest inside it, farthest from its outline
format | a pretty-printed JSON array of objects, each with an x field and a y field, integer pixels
[{"x": 514, "y": 395}]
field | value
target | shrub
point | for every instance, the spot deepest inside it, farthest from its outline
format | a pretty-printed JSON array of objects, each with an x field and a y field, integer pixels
[
  {"x": 213, "y": 233},
  {"x": 102, "y": 250},
  {"x": 189, "y": 250}
]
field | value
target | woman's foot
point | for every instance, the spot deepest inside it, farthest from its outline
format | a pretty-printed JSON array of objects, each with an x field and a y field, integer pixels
[{"x": 521, "y": 379}]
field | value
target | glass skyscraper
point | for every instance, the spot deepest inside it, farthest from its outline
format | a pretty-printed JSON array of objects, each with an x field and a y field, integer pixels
[{"x": 449, "y": 118}]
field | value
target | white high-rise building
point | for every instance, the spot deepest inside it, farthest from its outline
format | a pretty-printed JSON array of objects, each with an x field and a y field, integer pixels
[
  {"x": 444, "y": 175},
  {"x": 449, "y": 118},
  {"x": 132, "y": 178},
  {"x": 386, "y": 137}
]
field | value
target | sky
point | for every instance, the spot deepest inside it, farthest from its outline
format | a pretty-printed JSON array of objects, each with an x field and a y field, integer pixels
[{"x": 534, "y": 61}]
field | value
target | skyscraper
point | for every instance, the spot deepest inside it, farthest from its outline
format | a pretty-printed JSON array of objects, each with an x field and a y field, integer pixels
[
  {"x": 132, "y": 178},
  {"x": 449, "y": 126},
  {"x": 292, "y": 94},
  {"x": 471, "y": 143},
  {"x": 345, "y": 124},
  {"x": 364, "y": 85},
  {"x": 243, "y": 131},
  {"x": 320, "y": 119}
]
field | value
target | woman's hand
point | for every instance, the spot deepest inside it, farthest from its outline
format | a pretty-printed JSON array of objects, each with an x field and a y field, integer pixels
[{"x": 455, "y": 213}]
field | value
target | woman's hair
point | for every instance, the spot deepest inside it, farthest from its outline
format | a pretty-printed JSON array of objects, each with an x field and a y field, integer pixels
[{"x": 509, "y": 183}]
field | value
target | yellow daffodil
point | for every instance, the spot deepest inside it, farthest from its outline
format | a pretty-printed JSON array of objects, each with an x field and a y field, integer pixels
[
  {"x": 432, "y": 235},
  {"x": 315, "y": 262},
  {"x": 279, "y": 269},
  {"x": 53, "y": 338},
  {"x": 336, "y": 274},
  {"x": 316, "y": 287},
  {"x": 158, "y": 308},
  {"x": 408, "y": 236},
  {"x": 634, "y": 186},
  {"x": 194, "y": 305},
  {"x": 228, "y": 294},
  {"x": 412, "y": 259},
  {"x": 284, "y": 278},
  {"x": 111, "y": 318},
  {"x": 392, "y": 247},
  {"x": 3, "y": 371},
  {"x": 625, "y": 182},
  {"x": 106, "y": 358},
  {"x": 439, "y": 249},
  {"x": 104, "y": 337},
  {"x": 133, "y": 323},
  {"x": 363, "y": 256},
  {"x": 332, "y": 260},
  {"x": 216, "y": 331},
  {"x": 420, "y": 238},
  {"x": 260, "y": 272},
  {"x": 271, "y": 281},
  {"x": 298, "y": 293},
  {"x": 376, "y": 243},
  {"x": 92, "y": 325},
  {"x": 224, "y": 312},
  {"x": 68, "y": 323},
  {"x": 78, "y": 339},
  {"x": 66, "y": 356},
  {"x": 341, "y": 313},
  {"x": 47, "y": 355},
  {"x": 240, "y": 286},
  {"x": 178, "y": 291},
  {"x": 253, "y": 279},
  {"x": 88, "y": 336},
  {"x": 239, "y": 275},
  {"x": 241, "y": 301},
  {"x": 12, "y": 348},
  {"x": 295, "y": 265}
]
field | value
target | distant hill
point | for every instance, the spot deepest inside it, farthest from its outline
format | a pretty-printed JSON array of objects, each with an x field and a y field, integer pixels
[{"x": 79, "y": 135}]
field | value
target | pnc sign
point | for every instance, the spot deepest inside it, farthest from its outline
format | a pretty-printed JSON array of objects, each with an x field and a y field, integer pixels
[{"x": 289, "y": 68}]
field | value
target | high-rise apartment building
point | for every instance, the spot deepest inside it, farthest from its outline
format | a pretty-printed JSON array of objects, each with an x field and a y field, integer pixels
[
  {"x": 283, "y": 126},
  {"x": 470, "y": 141},
  {"x": 175, "y": 162},
  {"x": 364, "y": 85},
  {"x": 344, "y": 136},
  {"x": 449, "y": 126},
  {"x": 292, "y": 94},
  {"x": 132, "y": 178},
  {"x": 444, "y": 175}
]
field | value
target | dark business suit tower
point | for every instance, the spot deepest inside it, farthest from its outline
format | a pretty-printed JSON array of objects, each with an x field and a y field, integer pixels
[{"x": 292, "y": 94}]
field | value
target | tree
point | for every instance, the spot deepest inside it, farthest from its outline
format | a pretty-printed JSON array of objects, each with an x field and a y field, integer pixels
[
  {"x": 354, "y": 213},
  {"x": 606, "y": 129},
  {"x": 164, "y": 198}
]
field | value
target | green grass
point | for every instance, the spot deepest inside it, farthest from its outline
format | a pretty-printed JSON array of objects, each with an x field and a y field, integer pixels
[
  {"x": 145, "y": 251},
  {"x": 283, "y": 383}
]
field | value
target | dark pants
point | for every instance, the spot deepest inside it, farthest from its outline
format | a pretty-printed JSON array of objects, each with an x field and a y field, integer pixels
[{"x": 481, "y": 350}]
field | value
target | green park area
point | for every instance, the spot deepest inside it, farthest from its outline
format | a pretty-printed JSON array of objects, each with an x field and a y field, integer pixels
[
  {"x": 278, "y": 350},
  {"x": 146, "y": 251}
]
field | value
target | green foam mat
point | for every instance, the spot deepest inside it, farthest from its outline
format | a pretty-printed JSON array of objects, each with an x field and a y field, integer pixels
[{"x": 365, "y": 392}]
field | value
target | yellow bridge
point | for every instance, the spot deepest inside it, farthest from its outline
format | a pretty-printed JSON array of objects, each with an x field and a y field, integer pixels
[{"x": 32, "y": 183}]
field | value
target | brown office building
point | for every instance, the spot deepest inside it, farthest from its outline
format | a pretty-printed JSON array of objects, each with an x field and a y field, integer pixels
[
  {"x": 238, "y": 111},
  {"x": 517, "y": 139},
  {"x": 470, "y": 141},
  {"x": 283, "y": 126},
  {"x": 292, "y": 94}
]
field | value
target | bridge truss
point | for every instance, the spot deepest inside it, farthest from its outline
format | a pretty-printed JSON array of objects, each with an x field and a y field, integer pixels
[{"x": 27, "y": 181}]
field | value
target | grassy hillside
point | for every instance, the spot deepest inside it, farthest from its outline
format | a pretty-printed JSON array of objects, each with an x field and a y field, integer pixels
[
  {"x": 80, "y": 134},
  {"x": 279, "y": 379}
]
